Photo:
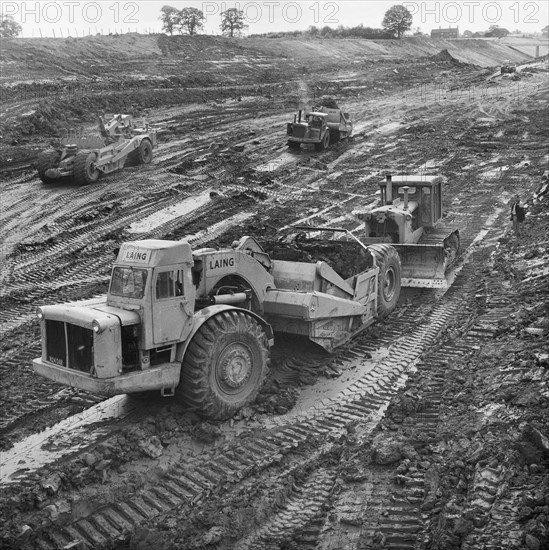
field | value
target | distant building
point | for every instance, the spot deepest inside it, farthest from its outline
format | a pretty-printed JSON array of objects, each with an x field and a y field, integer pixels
[{"x": 445, "y": 33}]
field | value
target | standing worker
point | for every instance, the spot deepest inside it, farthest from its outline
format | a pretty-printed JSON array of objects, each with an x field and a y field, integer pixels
[{"x": 517, "y": 214}]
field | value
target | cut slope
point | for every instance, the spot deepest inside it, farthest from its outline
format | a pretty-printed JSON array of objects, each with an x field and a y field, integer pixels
[{"x": 51, "y": 58}]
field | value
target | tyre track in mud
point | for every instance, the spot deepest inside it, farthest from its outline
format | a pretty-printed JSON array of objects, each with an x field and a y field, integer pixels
[
  {"x": 37, "y": 191},
  {"x": 196, "y": 483},
  {"x": 366, "y": 398},
  {"x": 397, "y": 518},
  {"x": 35, "y": 283},
  {"x": 24, "y": 314},
  {"x": 396, "y": 512},
  {"x": 139, "y": 208},
  {"x": 83, "y": 273},
  {"x": 162, "y": 509},
  {"x": 291, "y": 368},
  {"x": 104, "y": 228}
]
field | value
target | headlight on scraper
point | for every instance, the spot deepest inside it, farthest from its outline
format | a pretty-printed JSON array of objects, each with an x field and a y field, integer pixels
[
  {"x": 97, "y": 328},
  {"x": 39, "y": 313}
]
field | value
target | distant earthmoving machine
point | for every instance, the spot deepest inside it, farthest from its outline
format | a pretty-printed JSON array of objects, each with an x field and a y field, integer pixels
[
  {"x": 409, "y": 218},
  {"x": 319, "y": 128},
  {"x": 508, "y": 67},
  {"x": 86, "y": 158}
]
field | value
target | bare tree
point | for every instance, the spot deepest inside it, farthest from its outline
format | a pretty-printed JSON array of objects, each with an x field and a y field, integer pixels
[{"x": 397, "y": 20}]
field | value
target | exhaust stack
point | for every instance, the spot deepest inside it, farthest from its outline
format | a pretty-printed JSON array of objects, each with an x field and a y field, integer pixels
[
  {"x": 406, "y": 188},
  {"x": 299, "y": 120},
  {"x": 389, "y": 193}
]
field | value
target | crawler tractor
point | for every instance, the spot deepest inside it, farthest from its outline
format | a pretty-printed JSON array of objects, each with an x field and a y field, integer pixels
[
  {"x": 409, "y": 218},
  {"x": 85, "y": 159},
  {"x": 508, "y": 67},
  {"x": 319, "y": 128},
  {"x": 198, "y": 325}
]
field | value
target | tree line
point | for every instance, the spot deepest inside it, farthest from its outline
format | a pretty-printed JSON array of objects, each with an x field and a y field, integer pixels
[
  {"x": 190, "y": 21},
  {"x": 396, "y": 22}
]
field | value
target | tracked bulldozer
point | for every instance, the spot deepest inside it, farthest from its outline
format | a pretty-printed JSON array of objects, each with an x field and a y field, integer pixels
[
  {"x": 410, "y": 219},
  {"x": 198, "y": 325},
  {"x": 86, "y": 158},
  {"x": 508, "y": 67}
]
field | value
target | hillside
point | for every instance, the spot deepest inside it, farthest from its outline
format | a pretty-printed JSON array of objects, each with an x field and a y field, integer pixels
[{"x": 53, "y": 58}]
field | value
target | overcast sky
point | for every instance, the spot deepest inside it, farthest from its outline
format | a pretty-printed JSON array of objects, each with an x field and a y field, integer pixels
[{"x": 72, "y": 17}]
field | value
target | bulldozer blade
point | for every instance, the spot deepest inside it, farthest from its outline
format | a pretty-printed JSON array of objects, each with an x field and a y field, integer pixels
[{"x": 423, "y": 265}]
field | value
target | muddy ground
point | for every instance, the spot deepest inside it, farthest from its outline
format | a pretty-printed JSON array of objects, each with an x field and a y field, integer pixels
[{"x": 428, "y": 431}]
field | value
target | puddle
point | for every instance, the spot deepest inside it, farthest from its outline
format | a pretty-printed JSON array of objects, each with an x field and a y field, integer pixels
[
  {"x": 495, "y": 173},
  {"x": 275, "y": 164},
  {"x": 170, "y": 213},
  {"x": 388, "y": 128},
  {"x": 218, "y": 228},
  {"x": 67, "y": 437}
]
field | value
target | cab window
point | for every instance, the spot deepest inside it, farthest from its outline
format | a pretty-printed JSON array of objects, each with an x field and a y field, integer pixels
[
  {"x": 128, "y": 282},
  {"x": 169, "y": 284}
]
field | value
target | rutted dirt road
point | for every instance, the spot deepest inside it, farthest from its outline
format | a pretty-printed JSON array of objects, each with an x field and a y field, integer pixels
[{"x": 409, "y": 437}]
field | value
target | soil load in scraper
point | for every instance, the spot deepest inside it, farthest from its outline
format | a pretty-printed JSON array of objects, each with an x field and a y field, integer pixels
[
  {"x": 85, "y": 159},
  {"x": 198, "y": 324}
]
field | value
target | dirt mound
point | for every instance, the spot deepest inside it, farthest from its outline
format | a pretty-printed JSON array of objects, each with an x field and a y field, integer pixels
[{"x": 444, "y": 56}]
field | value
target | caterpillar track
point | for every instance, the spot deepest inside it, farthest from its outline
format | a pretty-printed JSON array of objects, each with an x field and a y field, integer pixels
[
  {"x": 196, "y": 483},
  {"x": 295, "y": 457}
]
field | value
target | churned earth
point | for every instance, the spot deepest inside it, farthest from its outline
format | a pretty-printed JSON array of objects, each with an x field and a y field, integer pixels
[{"x": 427, "y": 431}]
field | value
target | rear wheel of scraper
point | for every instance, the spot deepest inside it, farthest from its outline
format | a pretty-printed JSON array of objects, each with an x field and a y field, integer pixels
[
  {"x": 84, "y": 169},
  {"x": 294, "y": 144},
  {"x": 46, "y": 161},
  {"x": 224, "y": 366},
  {"x": 388, "y": 288},
  {"x": 145, "y": 152}
]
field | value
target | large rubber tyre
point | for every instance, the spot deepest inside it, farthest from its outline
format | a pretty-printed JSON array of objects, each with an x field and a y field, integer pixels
[
  {"x": 324, "y": 143},
  {"x": 84, "y": 170},
  {"x": 224, "y": 366},
  {"x": 335, "y": 136},
  {"x": 145, "y": 151},
  {"x": 389, "y": 281},
  {"x": 294, "y": 145},
  {"x": 46, "y": 160}
]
